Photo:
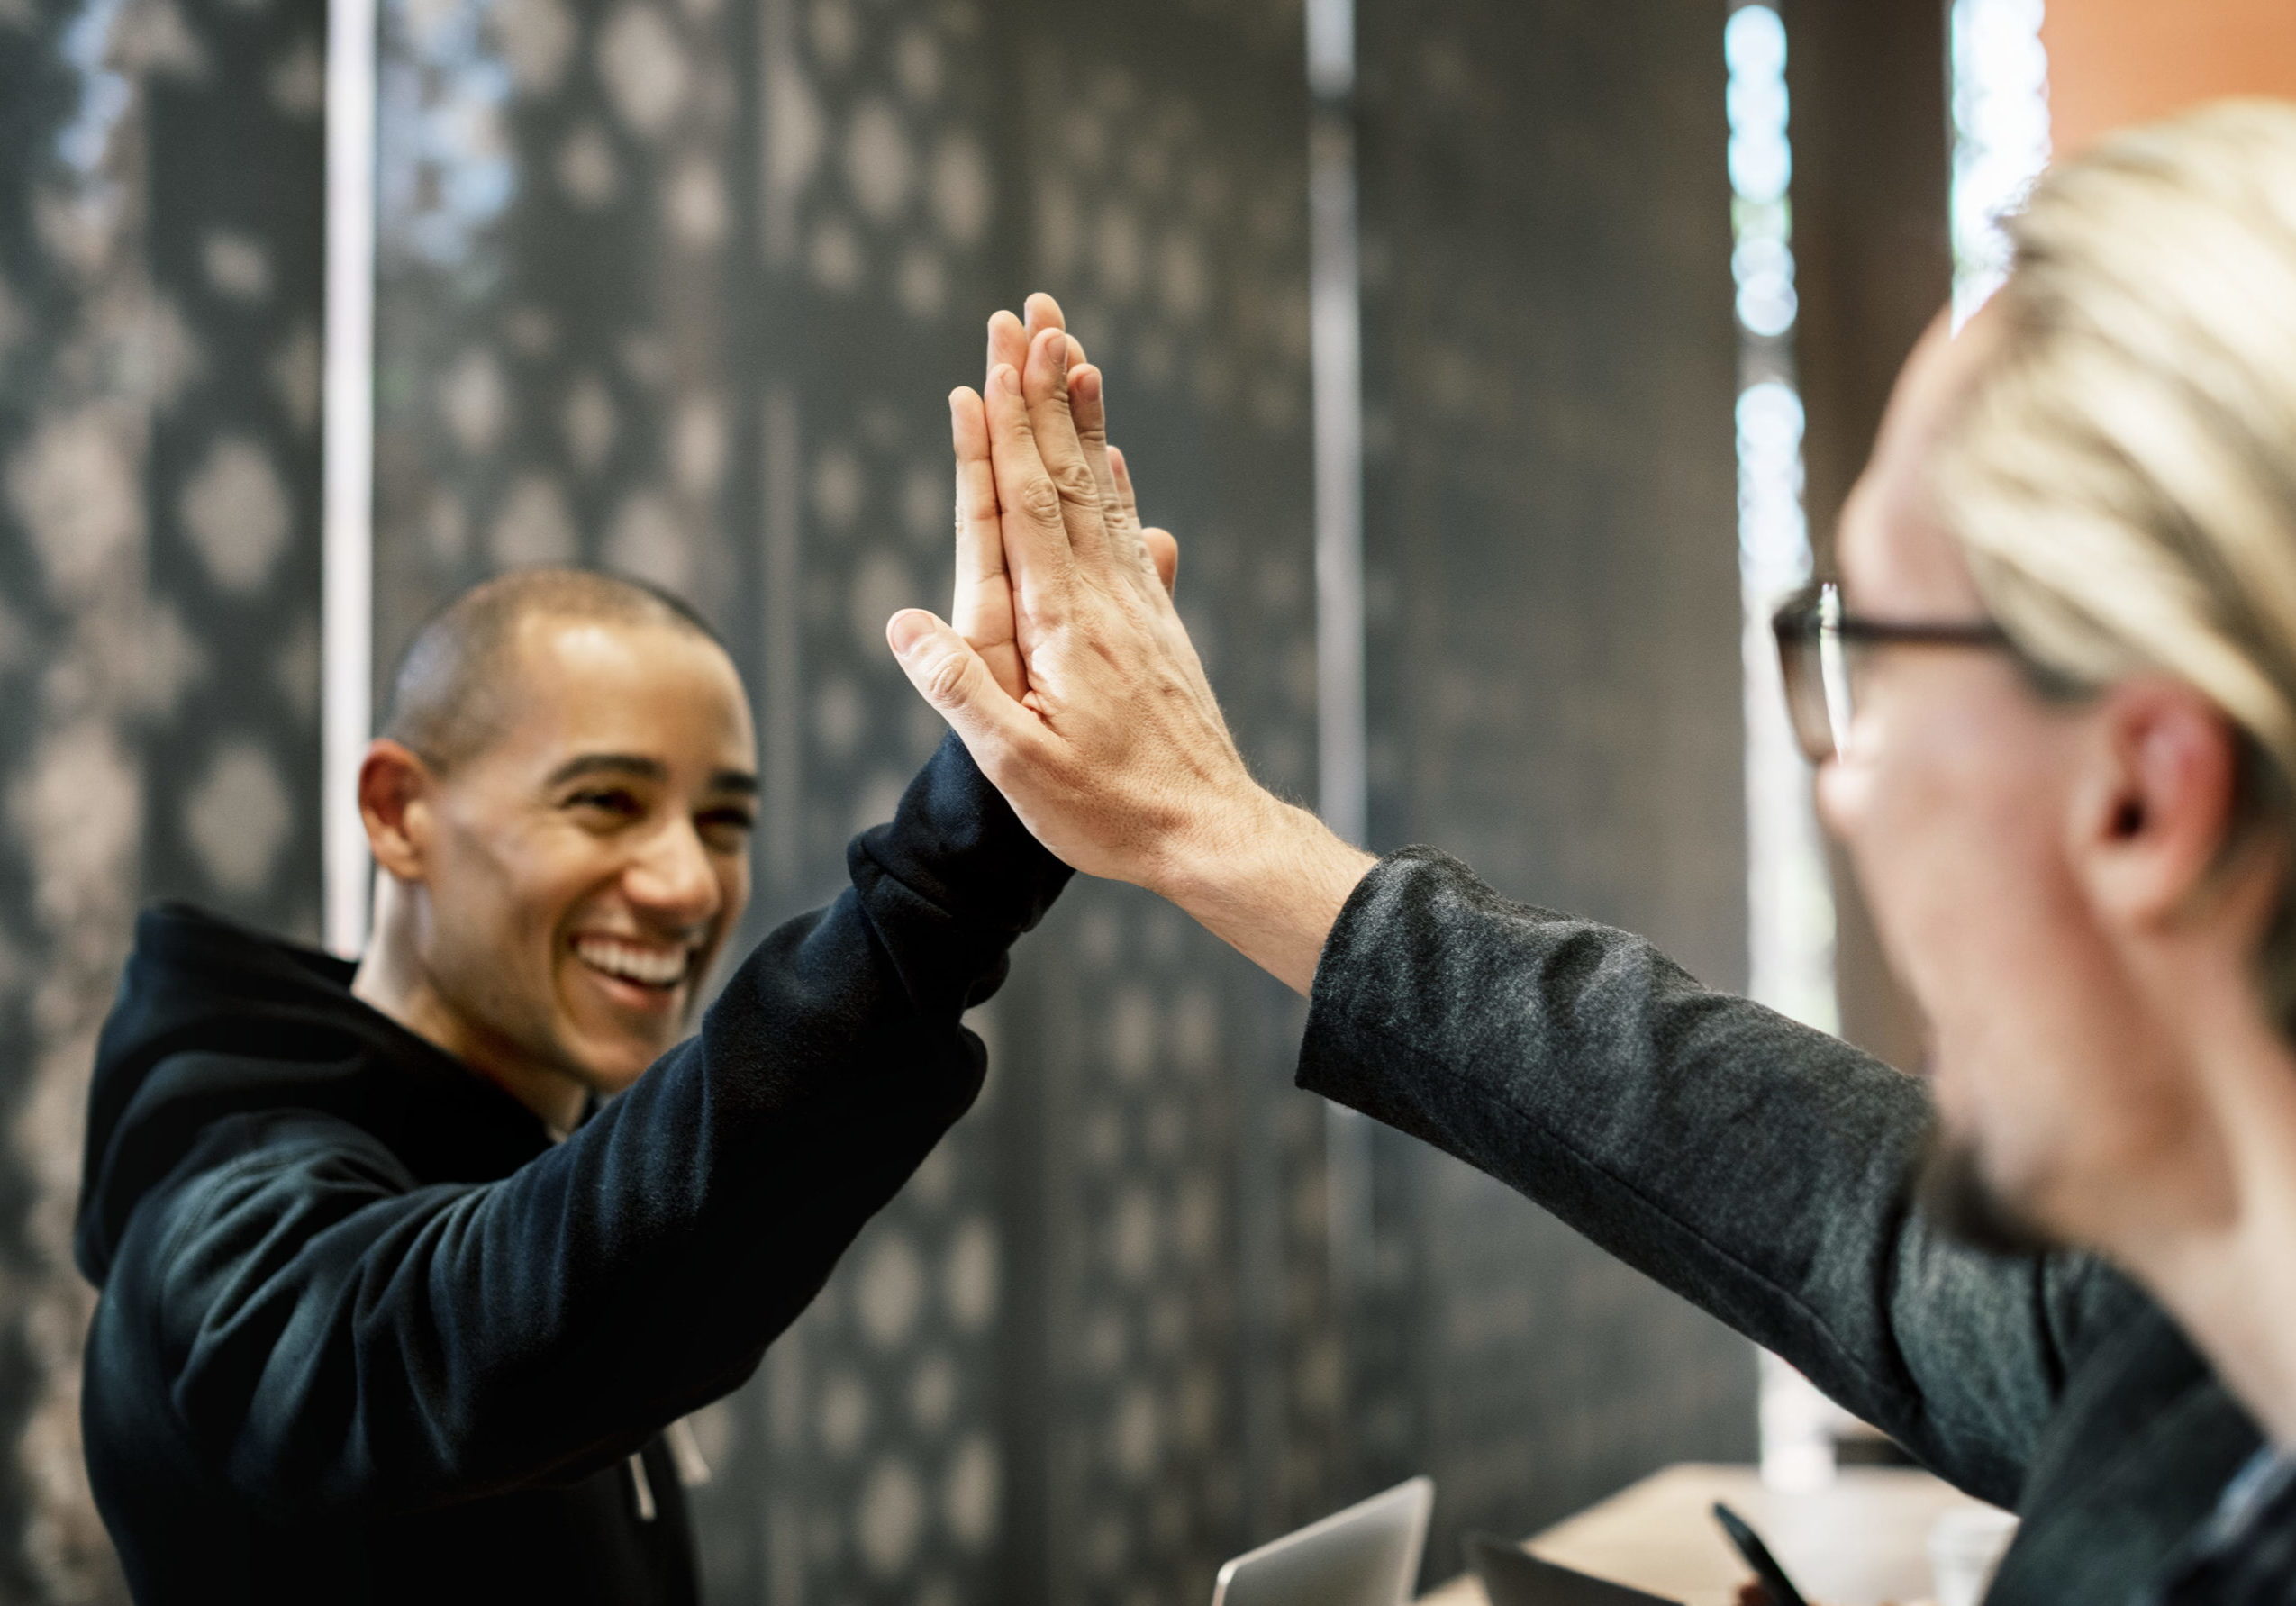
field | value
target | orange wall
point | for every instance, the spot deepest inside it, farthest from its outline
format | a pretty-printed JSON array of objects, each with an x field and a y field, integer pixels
[{"x": 2118, "y": 61}]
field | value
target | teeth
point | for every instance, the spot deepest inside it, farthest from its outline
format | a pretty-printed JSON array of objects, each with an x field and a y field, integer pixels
[{"x": 643, "y": 963}]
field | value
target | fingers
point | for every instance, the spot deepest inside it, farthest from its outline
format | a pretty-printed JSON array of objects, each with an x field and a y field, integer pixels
[
  {"x": 1067, "y": 425},
  {"x": 1043, "y": 313},
  {"x": 1008, "y": 344},
  {"x": 1037, "y": 552},
  {"x": 1122, "y": 471},
  {"x": 1163, "y": 552},
  {"x": 1087, "y": 401},
  {"x": 1158, "y": 553},
  {"x": 982, "y": 612},
  {"x": 951, "y": 676},
  {"x": 1045, "y": 387},
  {"x": 1092, "y": 419},
  {"x": 1009, "y": 337}
]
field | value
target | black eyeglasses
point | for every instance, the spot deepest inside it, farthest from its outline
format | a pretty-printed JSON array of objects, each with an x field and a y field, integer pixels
[{"x": 1822, "y": 650}]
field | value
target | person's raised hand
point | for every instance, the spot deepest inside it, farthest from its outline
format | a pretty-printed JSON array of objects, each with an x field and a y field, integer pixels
[
  {"x": 1114, "y": 753},
  {"x": 983, "y": 610},
  {"x": 1009, "y": 338},
  {"x": 1115, "y": 720}
]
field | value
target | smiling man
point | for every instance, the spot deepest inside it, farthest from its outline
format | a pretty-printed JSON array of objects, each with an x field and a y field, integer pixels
[
  {"x": 2052, "y": 701},
  {"x": 548, "y": 917},
  {"x": 407, "y": 1269}
]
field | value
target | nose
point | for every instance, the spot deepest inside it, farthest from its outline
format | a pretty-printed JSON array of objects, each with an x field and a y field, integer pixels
[{"x": 673, "y": 877}]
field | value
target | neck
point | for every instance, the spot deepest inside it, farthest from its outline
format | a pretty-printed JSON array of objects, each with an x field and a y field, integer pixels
[
  {"x": 393, "y": 980},
  {"x": 2226, "y": 1268}
]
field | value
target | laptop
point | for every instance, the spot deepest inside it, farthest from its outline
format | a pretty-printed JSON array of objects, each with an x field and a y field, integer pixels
[
  {"x": 1366, "y": 1555},
  {"x": 1512, "y": 1576}
]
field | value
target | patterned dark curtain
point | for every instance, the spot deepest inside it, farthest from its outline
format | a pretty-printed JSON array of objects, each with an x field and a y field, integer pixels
[
  {"x": 1551, "y": 554},
  {"x": 675, "y": 287},
  {"x": 159, "y": 266}
]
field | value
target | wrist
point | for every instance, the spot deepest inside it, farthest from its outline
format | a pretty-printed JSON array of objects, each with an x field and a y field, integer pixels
[
  {"x": 1209, "y": 855},
  {"x": 1266, "y": 877}
]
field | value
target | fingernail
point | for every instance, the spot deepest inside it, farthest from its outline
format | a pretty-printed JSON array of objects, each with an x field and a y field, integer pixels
[{"x": 906, "y": 629}]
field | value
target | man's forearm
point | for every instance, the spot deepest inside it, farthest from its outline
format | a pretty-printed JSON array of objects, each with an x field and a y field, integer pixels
[
  {"x": 1749, "y": 1163},
  {"x": 1269, "y": 880}
]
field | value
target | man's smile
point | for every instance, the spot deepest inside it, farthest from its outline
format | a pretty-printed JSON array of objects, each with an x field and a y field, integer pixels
[{"x": 657, "y": 967}]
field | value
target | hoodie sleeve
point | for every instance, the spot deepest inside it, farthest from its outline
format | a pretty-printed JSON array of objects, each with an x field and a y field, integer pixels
[
  {"x": 333, "y": 1338},
  {"x": 1758, "y": 1168}
]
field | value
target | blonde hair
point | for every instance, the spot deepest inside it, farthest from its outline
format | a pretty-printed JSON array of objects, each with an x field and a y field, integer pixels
[{"x": 2123, "y": 474}]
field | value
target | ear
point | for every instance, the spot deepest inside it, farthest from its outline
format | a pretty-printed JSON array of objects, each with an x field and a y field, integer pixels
[
  {"x": 394, "y": 800},
  {"x": 2152, "y": 818}
]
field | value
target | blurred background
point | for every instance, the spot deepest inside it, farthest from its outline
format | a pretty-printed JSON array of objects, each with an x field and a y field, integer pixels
[{"x": 1496, "y": 361}]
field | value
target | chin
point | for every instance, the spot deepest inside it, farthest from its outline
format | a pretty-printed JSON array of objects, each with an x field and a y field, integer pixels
[
  {"x": 607, "y": 1069},
  {"x": 620, "y": 1073}
]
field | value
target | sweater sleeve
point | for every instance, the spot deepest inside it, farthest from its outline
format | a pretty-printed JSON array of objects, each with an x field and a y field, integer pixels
[
  {"x": 332, "y": 1338},
  {"x": 1758, "y": 1168}
]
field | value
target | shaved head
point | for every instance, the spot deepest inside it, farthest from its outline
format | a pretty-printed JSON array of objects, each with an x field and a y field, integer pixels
[{"x": 455, "y": 689}]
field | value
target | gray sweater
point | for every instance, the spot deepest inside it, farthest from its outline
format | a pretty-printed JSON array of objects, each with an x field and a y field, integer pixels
[{"x": 1761, "y": 1170}]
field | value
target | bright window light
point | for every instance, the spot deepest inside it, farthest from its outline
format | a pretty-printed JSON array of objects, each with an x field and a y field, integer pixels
[{"x": 2000, "y": 135}]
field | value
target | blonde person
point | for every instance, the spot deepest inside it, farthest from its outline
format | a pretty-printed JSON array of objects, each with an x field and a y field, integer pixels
[{"x": 2052, "y": 701}]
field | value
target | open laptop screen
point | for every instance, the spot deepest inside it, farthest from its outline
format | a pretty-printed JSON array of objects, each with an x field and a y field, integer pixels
[{"x": 1366, "y": 1555}]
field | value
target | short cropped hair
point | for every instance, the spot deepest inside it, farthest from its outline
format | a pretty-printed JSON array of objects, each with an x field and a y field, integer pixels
[
  {"x": 451, "y": 695},
  {"x": 2122, "y": 476}
]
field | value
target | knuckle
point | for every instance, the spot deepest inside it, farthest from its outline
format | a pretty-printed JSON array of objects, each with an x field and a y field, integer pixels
[
  {"x": 945, "y": 679},
  {"x": 1040, "y": 498},
  {"x": 1033, "y": 616},
  {"x": 1077, "y": 483}
]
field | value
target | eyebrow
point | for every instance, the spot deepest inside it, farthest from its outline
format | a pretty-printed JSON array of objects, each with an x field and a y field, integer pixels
[{"x": 652, "y": 769}]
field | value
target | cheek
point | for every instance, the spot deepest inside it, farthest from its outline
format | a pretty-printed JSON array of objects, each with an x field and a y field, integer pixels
[
  {"x": 1961, "y": 851},
  {"x": 1957, "y": 839},
  {"x": 522, "y": 897},
  {"x": 538, "y": 895},
  {"x": 473, "y": 899},
  {"x": 733, "y": 887}
]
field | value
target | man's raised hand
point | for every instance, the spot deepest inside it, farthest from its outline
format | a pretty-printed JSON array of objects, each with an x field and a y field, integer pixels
[
  {"x": 1113, "y": 751},
  {"x": 983, "y": 609},
  {"x": 1115, "y": 718}
]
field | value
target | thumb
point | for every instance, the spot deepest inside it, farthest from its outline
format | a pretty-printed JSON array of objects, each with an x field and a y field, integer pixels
[{"x": 951, "y": 676}]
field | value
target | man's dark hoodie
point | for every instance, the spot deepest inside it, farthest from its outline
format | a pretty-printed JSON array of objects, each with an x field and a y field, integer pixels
[{"x": 367, "y": 1334}]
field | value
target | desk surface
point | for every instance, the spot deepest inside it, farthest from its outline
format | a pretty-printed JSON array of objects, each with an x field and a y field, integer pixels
[{"x": 1862, "y": 1541}]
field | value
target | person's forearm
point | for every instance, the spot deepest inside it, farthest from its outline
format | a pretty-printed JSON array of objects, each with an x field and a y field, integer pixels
[
  {"x": 1269, "y": 880},
  {"x": 1751, "y": 1164}
]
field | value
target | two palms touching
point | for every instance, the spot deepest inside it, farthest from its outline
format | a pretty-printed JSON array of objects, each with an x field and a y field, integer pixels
[
  {"x": 1068, "y": 672},
  {"x": 984, "y": 610}
]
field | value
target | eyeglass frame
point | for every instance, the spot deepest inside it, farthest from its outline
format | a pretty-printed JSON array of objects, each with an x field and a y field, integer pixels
[{"x": 1813, "y": 630}]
